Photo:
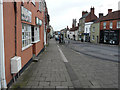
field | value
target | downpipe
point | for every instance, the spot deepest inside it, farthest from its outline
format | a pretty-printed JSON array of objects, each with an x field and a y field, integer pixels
[{"x": 3, "y": 84}]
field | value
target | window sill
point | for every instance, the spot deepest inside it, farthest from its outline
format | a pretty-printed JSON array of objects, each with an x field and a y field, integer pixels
[
  {"x": 36, "y": 41},
  {"x": 24, "y": 48}
]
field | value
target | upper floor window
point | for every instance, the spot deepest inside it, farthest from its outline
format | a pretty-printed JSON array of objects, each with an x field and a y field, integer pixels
[
  {"x": 104, "y": 25},
  {"x": 40, "y": 6},
  {"x": 118, "y": 24},
  {"x": 93, "y": 29},
  {"x": 111, "y": 25},
  {"x": 86, "y": 30}
]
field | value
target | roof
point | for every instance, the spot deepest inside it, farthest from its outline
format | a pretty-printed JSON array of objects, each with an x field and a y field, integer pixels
[
  {"x": 84, "y": 16},
  {"x": 112, "y": 16},
  {"x": 74, "y": 29}
]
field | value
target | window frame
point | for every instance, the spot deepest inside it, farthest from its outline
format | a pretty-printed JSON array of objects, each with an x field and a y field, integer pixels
[
  {"x": 26, "y": 36},
  {"x": 118, "y": 24},
  {"x": 36, "y": 34},
  {"x": 111, "y": 25},
  {"x": 93, "y": 30},
  {"x": 104, "y": 25}
]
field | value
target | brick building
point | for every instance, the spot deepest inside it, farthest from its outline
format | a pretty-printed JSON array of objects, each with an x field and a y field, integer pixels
[
  {"x": 110, "y": 28},
  {"x": 24, "y": 27}
]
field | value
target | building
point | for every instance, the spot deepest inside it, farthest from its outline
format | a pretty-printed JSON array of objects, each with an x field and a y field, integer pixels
[
  {"x": 86, "y": 36},
  {"x": 95, "y": 30},
  {"x": 72, "y": 33},
  {"x": 119, "y": 5},
  {"x": 110, "y": 28},
  {"x": 86, "y": 18},
  {"x": 51, "y": 32},
  {"x": 23, "y": 35}
]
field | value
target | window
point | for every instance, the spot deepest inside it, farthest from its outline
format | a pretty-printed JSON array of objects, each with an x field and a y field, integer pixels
[
  {"x": 26, "y": 35},
  {"x": 111, "y": 25},
  {"x": 118, "y": 24},
  {"x": 40, "y": 6},
  {"x": 93, "y": 29},
  {"x": 35, "y": 34},
  {"x": 86, "y": 30},
  {"x": 93, "y": 37},
  {"x": 104, "y": 25}
]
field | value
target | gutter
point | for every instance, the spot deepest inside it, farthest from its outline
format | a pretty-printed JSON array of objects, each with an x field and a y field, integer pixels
[{"x": 2, "y": 52}]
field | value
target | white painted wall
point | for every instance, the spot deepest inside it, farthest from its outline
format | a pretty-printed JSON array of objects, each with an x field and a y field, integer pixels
[
  {"x": 71, "y": 34},
  {"x": 76, "y": 35},
  {"x": 87, "y": 27},
  {"x": 2, "y": 56}
]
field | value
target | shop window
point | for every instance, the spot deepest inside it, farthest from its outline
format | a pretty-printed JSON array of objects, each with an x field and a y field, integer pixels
[
  {"x": 111, "y": 25},
  {"x": 104, "y": 25},
  {"x": 118, "y": 24},
  {"x": 26, "y": 35},
  {"x": 35, "y": 34}
]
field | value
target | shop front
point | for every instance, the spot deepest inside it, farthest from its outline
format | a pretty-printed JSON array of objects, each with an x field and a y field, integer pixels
[{"x": 109, "y": 37}]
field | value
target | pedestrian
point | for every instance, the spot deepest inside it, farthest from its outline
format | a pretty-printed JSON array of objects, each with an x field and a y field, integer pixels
[{"x": 59, "y": 38}]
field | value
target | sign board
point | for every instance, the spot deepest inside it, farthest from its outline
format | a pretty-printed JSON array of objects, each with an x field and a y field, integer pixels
[
  {"x": 38, "y": 21},
  {"x": 26, "y": 15}
]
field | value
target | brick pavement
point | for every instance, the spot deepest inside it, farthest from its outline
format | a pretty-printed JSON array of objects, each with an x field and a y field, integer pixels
[{"x": 48, "y": 72}]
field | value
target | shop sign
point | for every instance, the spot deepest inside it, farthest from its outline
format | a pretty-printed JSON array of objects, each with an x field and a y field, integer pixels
[
  {"x": 26, "y": 15},
  {"x": 38, "y": 21}
]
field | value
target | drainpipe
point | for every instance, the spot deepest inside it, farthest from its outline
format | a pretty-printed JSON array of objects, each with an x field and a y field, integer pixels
[
  {"x": 15, "y": 9},
  {"x": 2, "y": 52}
]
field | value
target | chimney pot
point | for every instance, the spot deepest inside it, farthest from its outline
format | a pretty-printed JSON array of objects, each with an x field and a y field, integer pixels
[
  {"x": 92, "y": 10},
  {"x": 109, "y": 11},
  {"x": 84, "y": 12},
  {"x": 100, "y": 15}
]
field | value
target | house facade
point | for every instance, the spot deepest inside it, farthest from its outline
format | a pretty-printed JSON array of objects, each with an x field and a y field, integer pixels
[
  {"x": 110, "y": 28},
  {"x": 23, "y": 34},
  {"x": 95, "y": 32},
  {"x": 86, "y": 18},
  {"x": 86, "y": 37}
]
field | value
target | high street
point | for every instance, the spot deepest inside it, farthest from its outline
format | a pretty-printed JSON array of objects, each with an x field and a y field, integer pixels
[{"x": 62, "y": 67}]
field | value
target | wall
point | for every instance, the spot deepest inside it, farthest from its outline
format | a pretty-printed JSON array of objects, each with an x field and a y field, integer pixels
[
  {"x": 9, "y": 23},
  {"x": 96, "y": 33}
]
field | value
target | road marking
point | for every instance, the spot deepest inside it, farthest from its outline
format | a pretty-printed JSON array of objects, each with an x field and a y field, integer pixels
[{"x": 63, "y": 56}]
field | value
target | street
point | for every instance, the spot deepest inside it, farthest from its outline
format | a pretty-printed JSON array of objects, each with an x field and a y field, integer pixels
[{"x": 72, "y": 65}]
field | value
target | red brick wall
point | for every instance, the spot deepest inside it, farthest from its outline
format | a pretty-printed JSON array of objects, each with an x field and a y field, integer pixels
[
  {"x": 9, "y": 36},
  {"x": 9, "y": 32},
  {"x": 108, "y": 25}
]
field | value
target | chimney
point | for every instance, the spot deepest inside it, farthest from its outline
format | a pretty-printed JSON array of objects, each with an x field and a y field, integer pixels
[
  {"x": 109, "y": 11},
  {"x": 92, "y": 10},
  {"x": 100, "y": 15},
  {"x": 84, "y": 12},
  {"x": 67, "y": 28}
]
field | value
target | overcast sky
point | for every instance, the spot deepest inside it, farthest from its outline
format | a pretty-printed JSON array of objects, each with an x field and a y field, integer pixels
[{"x": 63, "y": 11}]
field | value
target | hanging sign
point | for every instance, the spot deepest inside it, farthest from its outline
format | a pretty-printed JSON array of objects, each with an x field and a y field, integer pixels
[
  {"x": 38, "y": 21},
  {"x": 26, "y": 15}
]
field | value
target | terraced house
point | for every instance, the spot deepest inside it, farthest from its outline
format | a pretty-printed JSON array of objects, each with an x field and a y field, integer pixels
[
  {"x": 110, "y": 28},
  {"x": 25, "y": 27},
  {"x": 84, "y": 24}
]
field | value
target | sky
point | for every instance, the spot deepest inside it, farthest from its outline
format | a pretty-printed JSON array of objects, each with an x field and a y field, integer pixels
[{"x": 62, "y": 12}]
